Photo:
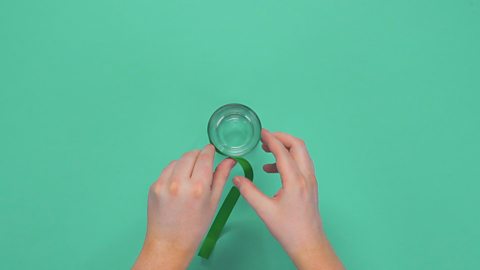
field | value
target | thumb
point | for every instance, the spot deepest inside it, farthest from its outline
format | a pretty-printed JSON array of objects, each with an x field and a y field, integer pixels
[{"x": 257, "y": 199}]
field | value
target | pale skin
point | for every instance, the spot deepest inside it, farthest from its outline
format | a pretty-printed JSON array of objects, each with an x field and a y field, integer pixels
[{"x": 183, "y": 201}]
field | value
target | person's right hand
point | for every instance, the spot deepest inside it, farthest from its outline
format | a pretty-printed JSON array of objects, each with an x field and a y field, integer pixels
[{"x": 292, "y": 215}]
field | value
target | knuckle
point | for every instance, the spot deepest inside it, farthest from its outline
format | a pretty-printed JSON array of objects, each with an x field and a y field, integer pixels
[
  {"x": 174, "y": 188},
  {"x": 198, "y": 190},
  {"x": 245, "y": 187},
  {"x": 299, "y": 142},
  {"x": 155, "y": 188}
]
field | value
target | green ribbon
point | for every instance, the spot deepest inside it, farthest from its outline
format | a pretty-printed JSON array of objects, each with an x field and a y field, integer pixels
[{"x": 224, "y": 212}]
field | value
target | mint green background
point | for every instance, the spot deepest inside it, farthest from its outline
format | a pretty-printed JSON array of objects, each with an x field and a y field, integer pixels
[{"x": 96, "y": 97}]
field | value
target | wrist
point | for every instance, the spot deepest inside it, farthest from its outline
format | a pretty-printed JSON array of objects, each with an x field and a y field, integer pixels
[
  {"x": 157, "y": 254},
  {"x": 316, "y": 254}
]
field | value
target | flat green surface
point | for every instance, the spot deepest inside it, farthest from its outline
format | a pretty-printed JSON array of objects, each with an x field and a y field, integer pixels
[{"x": 97, "y": 96}]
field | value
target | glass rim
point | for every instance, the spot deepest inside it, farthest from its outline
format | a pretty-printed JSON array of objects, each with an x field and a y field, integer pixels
[{"x": 255, "y": 121}]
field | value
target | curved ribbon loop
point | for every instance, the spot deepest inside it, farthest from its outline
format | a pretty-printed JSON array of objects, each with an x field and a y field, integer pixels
[{"x": 224, "y": 212}]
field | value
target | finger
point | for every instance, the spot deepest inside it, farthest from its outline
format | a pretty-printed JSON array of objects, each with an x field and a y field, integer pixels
[
  {"x": 220, "y": 178},
  {"x": 286, "y": 165},
  {"x": 260, "y": 202},
  {"x": 298, "y": 150},
  {"x": 270, "y": 168},
  {"x": 265, "y": 148},
  {"x": 184, "y": 166},
  {"x": 163, "y": 178},
  {"x": 203, "y": 168},
  {"x": 166, "y": 172}
]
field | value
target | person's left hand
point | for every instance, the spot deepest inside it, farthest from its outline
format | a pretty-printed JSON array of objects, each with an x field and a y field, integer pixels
[{"x": 181, "y": 206}]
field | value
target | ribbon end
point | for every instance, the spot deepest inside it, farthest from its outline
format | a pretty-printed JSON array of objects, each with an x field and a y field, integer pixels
[{"x": 207, "y": 248}]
